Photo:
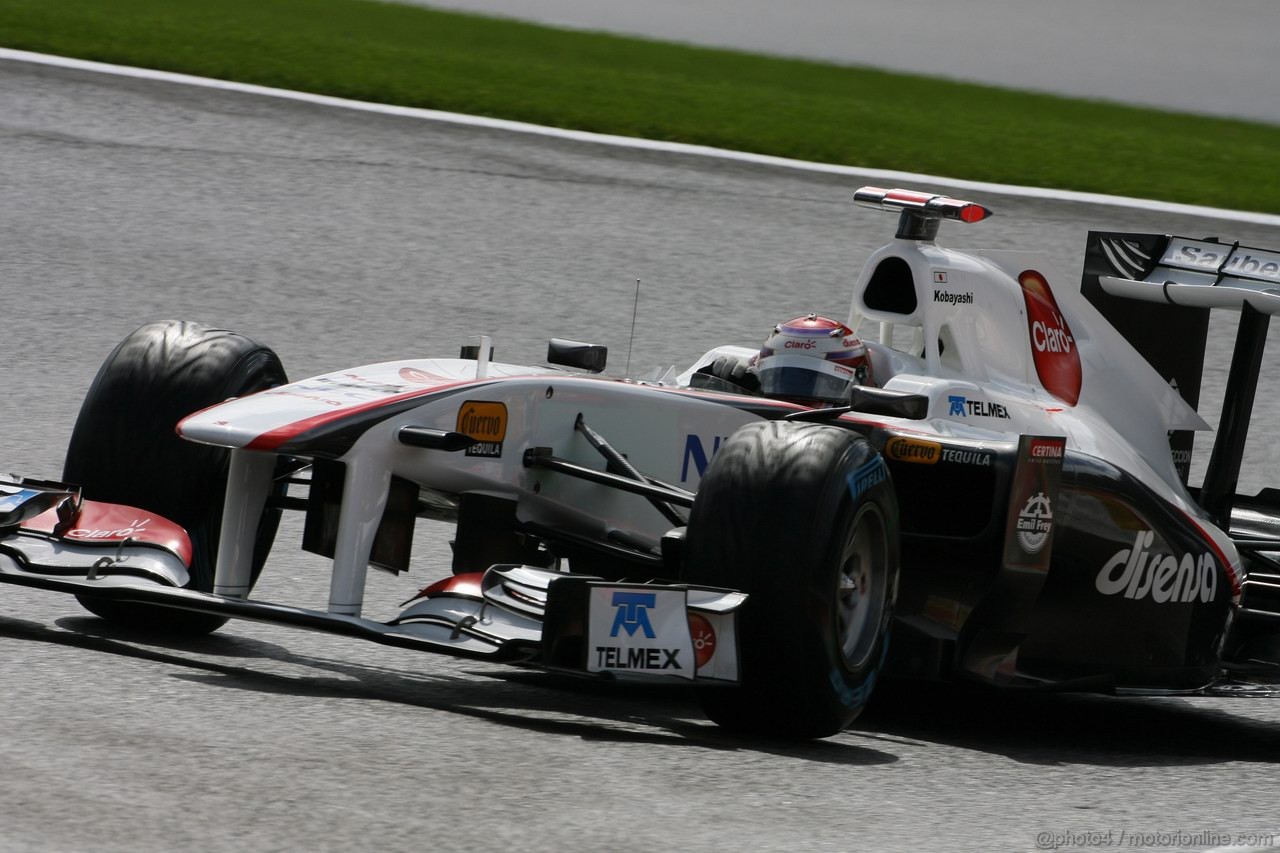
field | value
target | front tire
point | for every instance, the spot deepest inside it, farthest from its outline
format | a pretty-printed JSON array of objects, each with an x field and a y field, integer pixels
[
  {"x": 803, "y": 518},
  {"x": 125, "y": 448}
]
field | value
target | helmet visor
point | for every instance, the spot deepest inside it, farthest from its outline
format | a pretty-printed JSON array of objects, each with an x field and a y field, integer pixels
[{"x": 804, "y": 377}]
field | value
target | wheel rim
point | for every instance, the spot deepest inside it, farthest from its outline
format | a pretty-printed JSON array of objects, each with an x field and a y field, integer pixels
[{"x": 861, "y": 587}]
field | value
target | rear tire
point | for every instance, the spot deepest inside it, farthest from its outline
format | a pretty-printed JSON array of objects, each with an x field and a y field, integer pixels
[
  {"x": 803, "y": 518},
  {"x": 125, "y": 448}
]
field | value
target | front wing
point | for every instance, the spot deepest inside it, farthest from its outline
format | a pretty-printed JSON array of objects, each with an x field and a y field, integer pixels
[{"x": 570, "y": 623}]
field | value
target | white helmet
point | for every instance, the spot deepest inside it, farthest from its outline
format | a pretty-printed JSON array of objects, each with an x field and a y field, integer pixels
[{"x": 812, "y": 359}]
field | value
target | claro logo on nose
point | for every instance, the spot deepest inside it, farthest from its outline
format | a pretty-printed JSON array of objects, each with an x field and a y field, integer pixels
[
  {"x": 136, "y": 528},
  {"x": 1138, "y": 573}
]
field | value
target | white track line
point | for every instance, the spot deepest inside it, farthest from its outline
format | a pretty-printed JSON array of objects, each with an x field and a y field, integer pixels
[{"x": 907, "y": 178}]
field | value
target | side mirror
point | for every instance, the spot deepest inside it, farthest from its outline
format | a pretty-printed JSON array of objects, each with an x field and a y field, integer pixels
[
  {"x": 589, "y": 357},
  {"x": 897, "y": 404}
]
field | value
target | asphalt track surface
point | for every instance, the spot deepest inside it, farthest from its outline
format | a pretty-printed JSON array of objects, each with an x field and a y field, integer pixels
[
  {"x": 342, "y": 238},
  {"x": 1183, "y": 55}
]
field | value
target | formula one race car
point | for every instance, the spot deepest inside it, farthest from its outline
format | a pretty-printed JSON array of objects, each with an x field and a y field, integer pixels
[{"x": 1008, "y": 505}]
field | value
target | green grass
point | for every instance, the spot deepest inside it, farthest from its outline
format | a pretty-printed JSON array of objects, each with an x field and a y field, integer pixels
[{"x": 807, "y": 110}]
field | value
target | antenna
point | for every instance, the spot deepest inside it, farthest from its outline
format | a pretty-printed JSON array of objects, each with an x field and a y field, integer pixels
[{"x": 635, "y": 309}]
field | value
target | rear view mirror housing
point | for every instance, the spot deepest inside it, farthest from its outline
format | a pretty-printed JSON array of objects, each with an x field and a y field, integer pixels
[{"x": 588, "y": 357}]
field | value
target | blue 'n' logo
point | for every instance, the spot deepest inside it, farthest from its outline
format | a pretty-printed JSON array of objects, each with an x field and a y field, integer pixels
[
  {"x": 696, "y": 452},
  {"x": 633, "y": 612}
]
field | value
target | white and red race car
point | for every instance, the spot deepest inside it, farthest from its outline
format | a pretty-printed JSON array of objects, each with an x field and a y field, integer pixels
[{"x": 1009, "y": 505}]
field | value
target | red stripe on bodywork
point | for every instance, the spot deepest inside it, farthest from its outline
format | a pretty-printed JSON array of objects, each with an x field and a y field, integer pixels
[
  {"x": 1233, "y": 577},
  {"x": 271, "y": 439}
]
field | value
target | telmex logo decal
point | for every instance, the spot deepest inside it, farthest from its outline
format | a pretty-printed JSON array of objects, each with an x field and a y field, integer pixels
[
  {"x": 916, "y": 450},
  {"x": 960, "y": 406},
  {"x": 636, "y": 629},
  {"x": 632, "y": 614},
  {"x": 1053, "y": 347},
  {"x": 1138, "y": 573},
  {"x": 631, "y": 611},
  {"x": 486, "y": 422}
]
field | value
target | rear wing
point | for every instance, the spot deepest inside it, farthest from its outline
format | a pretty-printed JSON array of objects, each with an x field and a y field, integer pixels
[
  {"x": 1204, "y": 274},
  {"x": 1190, "y": 276}
]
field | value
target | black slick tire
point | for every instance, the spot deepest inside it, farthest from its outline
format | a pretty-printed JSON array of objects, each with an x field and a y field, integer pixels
[
  {"x": 803, "y": 518},
  {"x": 124, "y": 448}
]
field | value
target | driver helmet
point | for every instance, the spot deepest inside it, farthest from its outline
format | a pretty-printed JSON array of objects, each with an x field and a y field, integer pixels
[{"x": 813, "y": 360}]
